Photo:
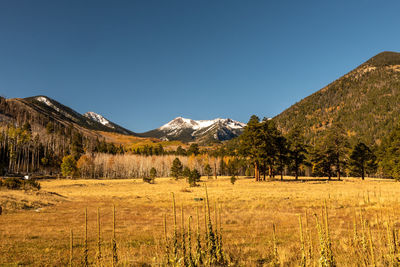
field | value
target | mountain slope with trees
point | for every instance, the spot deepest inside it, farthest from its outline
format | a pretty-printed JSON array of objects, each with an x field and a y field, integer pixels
[{"x": 365, "y": 101}]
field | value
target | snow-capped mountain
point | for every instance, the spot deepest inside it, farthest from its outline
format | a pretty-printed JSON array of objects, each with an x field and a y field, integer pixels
[
  {"x": 100, "y": 119},
  {"x": 59, "y": 112},
  {"x": 97, "y": 117},
  {"x": 198, "y": 130}
]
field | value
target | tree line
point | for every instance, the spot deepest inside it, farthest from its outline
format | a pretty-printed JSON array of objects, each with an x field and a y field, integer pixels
[
  {"x": 332, "y": 154},
  {"x": 262, "y": 150},
  {"x": 24, "y": 151}
]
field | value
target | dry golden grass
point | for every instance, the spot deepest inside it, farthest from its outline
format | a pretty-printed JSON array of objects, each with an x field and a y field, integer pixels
[
  {"x": 125, "y": 139},
  {"x": 249, "y": 209},
  {"x": 134, "y": 142}
]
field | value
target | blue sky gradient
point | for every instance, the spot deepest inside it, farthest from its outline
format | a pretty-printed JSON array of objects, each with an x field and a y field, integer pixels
[{"x": 143, "y": 63}]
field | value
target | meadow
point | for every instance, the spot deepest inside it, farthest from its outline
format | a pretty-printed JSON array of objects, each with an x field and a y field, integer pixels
[{"x": 362, "y": 216}]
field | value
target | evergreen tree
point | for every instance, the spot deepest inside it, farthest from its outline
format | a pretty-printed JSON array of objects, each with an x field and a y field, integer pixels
[
  {"x": 186, "y": 172},
  {"x": 282, "y": 153},
  {"x": 77, "y": 145},
  {"x": 389, "y": 154},
  {"x": 176, "y": 168},
  {"x": 153, "y": 174},
  {"x": 194, "y": 177},
  {"x": 207, "y": 170},
  {"x": 232, "y": 167},
  {"x": 297, "y": 149},
  {"x": 362, "y": 160},
  {"x": 322, "y": 160},
  {"x": 250, "y": 143},
  {"x": 180, "y": 151},
  {"x": 159, "y": 150},
  {"x": 337, "y": 141},
  {"x": 193, "y": 149},
  {"x": 268, "y": 146},
  {"x": 68, "y": 166}
]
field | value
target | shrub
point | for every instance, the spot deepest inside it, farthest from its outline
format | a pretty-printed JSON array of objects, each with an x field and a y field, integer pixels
[
  {"x": 233, "y": 180},
  {"x": 68, "y": 166},
  {"x": 148, "y": 180},
  {"x": 151, "y": 179},
  {"x": 17, "y": 183},
  {"x": 12, "y": 183},
  {"x": 31, "y": 184}
]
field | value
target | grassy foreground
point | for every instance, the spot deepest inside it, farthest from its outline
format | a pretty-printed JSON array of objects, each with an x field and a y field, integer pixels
[{"x": 35, "y": 227}]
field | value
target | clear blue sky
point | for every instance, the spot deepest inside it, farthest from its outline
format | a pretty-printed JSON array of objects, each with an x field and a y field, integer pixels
[{"x": 142, "y": 63}]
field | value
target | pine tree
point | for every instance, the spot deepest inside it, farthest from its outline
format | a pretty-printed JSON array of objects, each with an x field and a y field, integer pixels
[
  {"x": 194, "y": 177},
  {"x": 362, "y": 160},
  {"x": 207, "y": 170},
  {"x": 77, "y": 145},
  {"x": 250, "y": 143},
  {"x": 193, "y": 149},
  {"x": 186, "y": 172},
  {"x": 180, "y": 151},
  {"x": 297, "y": 149},
  {"x": 338, "y": 144},
  {"x": 268, "y": 146},
  {"x": 282, "y": 153},
  {"x": 322, "y": 160},
  {"x": 389, "y": 154},
  {"x": 153, "y": 174},
  {"x": 176, "y": 168}
]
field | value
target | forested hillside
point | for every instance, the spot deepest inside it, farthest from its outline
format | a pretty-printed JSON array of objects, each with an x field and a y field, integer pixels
[
  {"x": 37, "y": 132},
  {"x": 365, "y": 102}
]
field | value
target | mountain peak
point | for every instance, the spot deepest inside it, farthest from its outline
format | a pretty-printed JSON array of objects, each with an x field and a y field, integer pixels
[
  {"x": 198, "y": 130},
  {"x": 386, "y": 58},
  {"x": 98, "y": 118},
  {"x": 46, "y": 100}
]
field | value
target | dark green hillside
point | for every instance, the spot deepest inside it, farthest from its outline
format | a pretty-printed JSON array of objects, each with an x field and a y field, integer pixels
[
  {"x": 366, "y": 102},
  {"x": 385, "y": 59}
]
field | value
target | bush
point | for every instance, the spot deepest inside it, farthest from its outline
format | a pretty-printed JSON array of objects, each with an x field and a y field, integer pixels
[
  {"x": 17, "y": 183},
  {"x": 194, "y": 177},
  {"x": 151, "y": 179},
  {"x": 31, "y": 184},
  {"x": 148, "y": 180},
  {"x": 233, "y": 180},
  {"x": 12, "y": 183}
]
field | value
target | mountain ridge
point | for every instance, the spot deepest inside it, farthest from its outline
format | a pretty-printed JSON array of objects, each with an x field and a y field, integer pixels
[
  {"x": 364, "y": 101},
  {"x": 202, "y": 131}
]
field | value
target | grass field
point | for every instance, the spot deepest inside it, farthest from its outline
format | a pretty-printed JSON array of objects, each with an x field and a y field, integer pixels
[{"x": 35, "y": 226}]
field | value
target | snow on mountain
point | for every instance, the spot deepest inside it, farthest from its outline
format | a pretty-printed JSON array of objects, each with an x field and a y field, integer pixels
[
  {"x": 194, "y": 130},
  {"x": 57, "y": 107},
  {"x": 180, "y": 122},
  {"x": 97, "y": 117},
  {"x": 46, "y": 101}
]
